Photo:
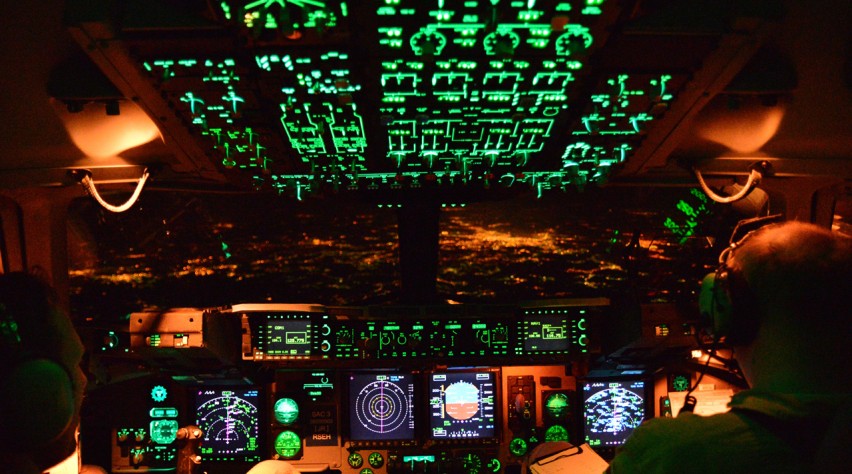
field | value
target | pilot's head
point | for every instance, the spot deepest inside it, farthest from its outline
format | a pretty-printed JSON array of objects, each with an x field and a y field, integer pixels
[
  {"x": 41, "y": 383},
  {"x": 780, "y": 298},
  {"x": 794, "y": 273}
]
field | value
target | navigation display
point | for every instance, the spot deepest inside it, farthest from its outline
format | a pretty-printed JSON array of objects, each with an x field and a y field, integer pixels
[
  {"x": 229, "y": 418},
  {"x": 612, "y": 410},
  {"x": 462, "y": 405},
  {"x": 381, "y": 407}
]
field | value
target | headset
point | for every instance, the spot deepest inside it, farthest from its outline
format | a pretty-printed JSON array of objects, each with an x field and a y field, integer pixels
[
  {"x": 37, "y": 402},
  {"x": 727, "y": 304},
  {"x": 728, "y": 307}
]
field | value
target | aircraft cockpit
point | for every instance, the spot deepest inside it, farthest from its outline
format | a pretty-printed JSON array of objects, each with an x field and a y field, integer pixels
[{"x": 405, "y": 236}]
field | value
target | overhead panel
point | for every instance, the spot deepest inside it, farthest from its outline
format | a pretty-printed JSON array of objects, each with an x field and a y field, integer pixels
[{"x": 304, "y": 96}]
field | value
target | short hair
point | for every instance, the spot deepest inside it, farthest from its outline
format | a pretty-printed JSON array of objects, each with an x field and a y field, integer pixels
[{"x": 797, "y": 270}]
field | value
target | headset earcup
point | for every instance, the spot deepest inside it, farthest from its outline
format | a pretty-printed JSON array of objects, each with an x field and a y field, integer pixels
[
  {"x": 38, "y": 404},
  {"x": 745, "y": 312},
  {"x": 715, "y": 304}
]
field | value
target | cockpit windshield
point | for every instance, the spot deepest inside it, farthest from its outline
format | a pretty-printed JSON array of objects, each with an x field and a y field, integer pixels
[{"x": 199, "y": 250}]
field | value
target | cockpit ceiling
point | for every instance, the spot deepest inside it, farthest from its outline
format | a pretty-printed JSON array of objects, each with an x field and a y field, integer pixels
[{"x": 304, "y": 96}]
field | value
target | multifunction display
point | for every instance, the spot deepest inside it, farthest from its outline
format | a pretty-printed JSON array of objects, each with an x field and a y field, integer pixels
[
  {"x": 462, "y": 405},
  {"x": 612, "y": 409},
  {"x": 230, "y": 421},
  {"x": 381, "y": 407}
]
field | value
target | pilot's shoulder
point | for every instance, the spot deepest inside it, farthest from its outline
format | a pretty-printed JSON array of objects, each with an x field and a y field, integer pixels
[
  {"x": 685, "y": 430},
  {"x": 662, "y": 444}
]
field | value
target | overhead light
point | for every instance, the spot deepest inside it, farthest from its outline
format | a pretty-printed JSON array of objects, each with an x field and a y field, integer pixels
[{"x": 103, "y": 137}]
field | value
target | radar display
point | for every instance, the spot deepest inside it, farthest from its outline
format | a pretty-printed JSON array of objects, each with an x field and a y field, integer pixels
[{"x": 381, "y": 407}]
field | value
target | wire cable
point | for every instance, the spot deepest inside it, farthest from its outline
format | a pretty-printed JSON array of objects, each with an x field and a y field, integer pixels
[
  {"x": 89, "y": 184},
  {"x": 754, "y": 178}
]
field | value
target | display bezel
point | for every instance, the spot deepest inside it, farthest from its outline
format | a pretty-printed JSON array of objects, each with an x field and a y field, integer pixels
[
  {"x": 462, "y": 375},
  {"x": 358, "y": 425},
  {"x": 528, "y": 344},
  {"x": 646, "y": 392},
  {"x": 211, "y": 449},
  {"x": 262, "y": 333}
]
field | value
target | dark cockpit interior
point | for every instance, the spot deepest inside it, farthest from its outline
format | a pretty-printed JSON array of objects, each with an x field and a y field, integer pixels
[{"x": 404, "y": 236}]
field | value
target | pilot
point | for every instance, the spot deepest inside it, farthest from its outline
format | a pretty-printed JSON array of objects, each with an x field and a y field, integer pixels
[
  {"x": 41, "y": 383},
  {"x": 781, "y": 300}
]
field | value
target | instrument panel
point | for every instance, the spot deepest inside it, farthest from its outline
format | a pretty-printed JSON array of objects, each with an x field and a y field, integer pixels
[
  {"x": 441, "y": 420},
  {"x": 356, "y": 390}
]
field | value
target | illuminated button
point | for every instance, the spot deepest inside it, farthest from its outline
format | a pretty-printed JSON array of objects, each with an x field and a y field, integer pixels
[
  {"x": 163, "y": 412},
  {"x": 137, "y": 456},
  {"x": 471, "y": 463},
  {"x": 376, "y": 460},
  {"x": 159, "y": 393},
  {"x": 583, "y": 340},
  {"x": 288, "y": 444},
  {"x": 325, "y": 346},
  {"x": 518, "y": 447},
  {"x": 680, "y": 383},
  {"x": 355, "y": 460},
  {"x": 110, "y": 340}
]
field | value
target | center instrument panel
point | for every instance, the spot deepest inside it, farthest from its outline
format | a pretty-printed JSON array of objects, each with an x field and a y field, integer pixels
[{"x": 359, "y": 391}]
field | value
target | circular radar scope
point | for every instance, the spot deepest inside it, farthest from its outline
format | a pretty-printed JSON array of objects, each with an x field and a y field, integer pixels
[
  {"x": 228, "y": 419},
  {"x": 286, "y": 411},
  {"x": 556, "y": 406},
  {"x": 614, "y": 410},
  {"x": 382, "y": 406},
  {"x": 288, "y": 444}
]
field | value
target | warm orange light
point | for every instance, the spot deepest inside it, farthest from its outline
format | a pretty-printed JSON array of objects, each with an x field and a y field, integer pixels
[
  {"x": 744, "y": 128},
  {"x": 103, "y": 136}
]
